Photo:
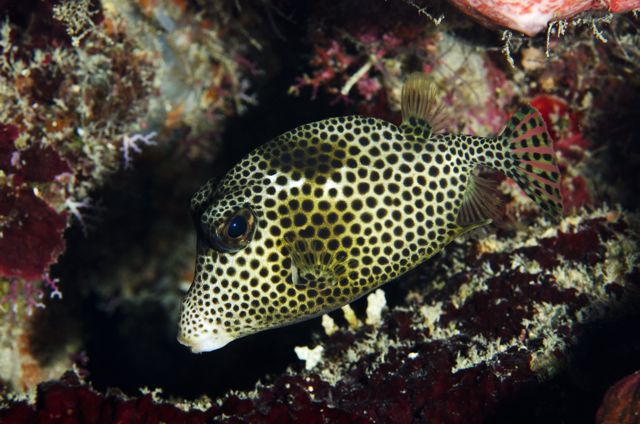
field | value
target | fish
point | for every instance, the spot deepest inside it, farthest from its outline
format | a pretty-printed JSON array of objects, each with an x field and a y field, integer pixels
[{"x": 328, "y": 211}]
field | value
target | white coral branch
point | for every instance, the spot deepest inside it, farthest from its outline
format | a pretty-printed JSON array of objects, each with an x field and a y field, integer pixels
[{"x": 132, "y": 143}]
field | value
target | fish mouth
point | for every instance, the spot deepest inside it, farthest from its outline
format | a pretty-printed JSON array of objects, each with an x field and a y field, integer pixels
[{"x": 200, "y": 343}]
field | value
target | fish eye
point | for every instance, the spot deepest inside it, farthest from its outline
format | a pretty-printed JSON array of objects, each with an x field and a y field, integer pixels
[
  {"x": 237, "y": 226},
  {"x": 236, "y": 231}
]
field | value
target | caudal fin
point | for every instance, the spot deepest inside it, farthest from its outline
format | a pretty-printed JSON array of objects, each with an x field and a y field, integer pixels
[{"x": 533, "y": 159}]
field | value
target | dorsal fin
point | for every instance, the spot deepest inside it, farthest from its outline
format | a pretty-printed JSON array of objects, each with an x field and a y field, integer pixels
[{"x": 420, "y": 105}]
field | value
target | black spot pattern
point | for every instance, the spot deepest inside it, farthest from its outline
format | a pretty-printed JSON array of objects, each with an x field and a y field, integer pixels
[{"x": 342, "y": 206}]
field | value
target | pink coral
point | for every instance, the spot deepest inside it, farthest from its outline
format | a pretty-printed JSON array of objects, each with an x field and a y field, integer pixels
[
  {"x": 328, "y": 61},
  {"x": 368, "y": 87},
  {"x": 532, "y": 16}
]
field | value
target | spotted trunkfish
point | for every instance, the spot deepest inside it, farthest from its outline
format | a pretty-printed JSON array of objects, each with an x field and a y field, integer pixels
[{"x": 328, "y": 211}]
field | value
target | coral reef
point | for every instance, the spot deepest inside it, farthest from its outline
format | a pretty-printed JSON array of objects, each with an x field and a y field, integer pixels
[{"x": 113, "y": 113}]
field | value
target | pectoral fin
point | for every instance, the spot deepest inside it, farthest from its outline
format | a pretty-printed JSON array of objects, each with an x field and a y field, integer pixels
[{"x": 313, "y": 266}]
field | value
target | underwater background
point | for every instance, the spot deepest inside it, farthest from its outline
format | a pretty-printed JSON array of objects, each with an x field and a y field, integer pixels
[{"x": 113, "y": 113}]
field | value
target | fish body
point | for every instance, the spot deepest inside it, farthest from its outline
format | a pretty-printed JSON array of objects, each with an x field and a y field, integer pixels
[{"x": 330, "y": 210}]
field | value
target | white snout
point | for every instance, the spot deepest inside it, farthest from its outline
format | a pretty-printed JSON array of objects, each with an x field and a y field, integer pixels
[{"x": 199, "y": 343}]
